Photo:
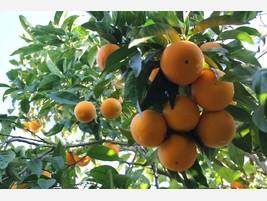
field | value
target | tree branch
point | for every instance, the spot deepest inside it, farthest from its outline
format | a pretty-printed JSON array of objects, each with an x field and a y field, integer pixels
[
  {"x": 256, "y": 160},
  {"x": 96, "y": 142}
]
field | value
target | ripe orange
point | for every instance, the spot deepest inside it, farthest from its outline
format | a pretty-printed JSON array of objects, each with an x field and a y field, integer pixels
[
  {"x": 15, "y": 185},
  {"x": 153, "y": 74},
  {"x": 211, "y": 93},
  {"x": 184, "y": 116},
  {"x": 182, "y": 62},
  {"x": 103, "y": 53},
  {"x": 148, "y": 128},
  {"x": 70, "y": 158},
  {"x": 81, "y": 161},
  {"x": 85, "y": 111},
  {"x": 216, "y": 129},
  {"x": 114, "y": 147},
  {"x": 111, "y": 108},
  {"x": 237, "y": 185},
  {"x": 210, "y": 45},
  {"x": 177, "y": 153}
]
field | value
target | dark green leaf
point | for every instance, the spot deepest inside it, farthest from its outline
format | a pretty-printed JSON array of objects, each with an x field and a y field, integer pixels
[
  {"x": 5, "y": 158},
  {"x": 136, "y": 63},
  {"x": 4, "y": 85},
  {"x": 259, "y": 83},
  {"x": 28, "y": 50},
  {"x": 101, "y": 86},
  {"x": 64, "y": 97},
  {"x": 57, "y": 17},
  {"x": 25, "y": 24},
  {"x": 48, "y": 82},
  {"x": 197, "y": 173},
  {"x": 119, "y": 58},
  {"x": 12, "y": 74},
  {"x": 35, "y": 166},
  {"x": 46, "y": 183},
  {"x": 263, "y": 140},
  {"x": 259, "y": 118},
  {"x": 67, "y": 24},
  {"x": 57, "y": 162},
  {"x": 25, "y": 106},
  {"x": 244, "y": 143},
  {"x": 55, "y": 129},
  {"x": 239, "y": 113},
  {"x": 52, "y": 67},
  {"x": 91, "y": 55}
]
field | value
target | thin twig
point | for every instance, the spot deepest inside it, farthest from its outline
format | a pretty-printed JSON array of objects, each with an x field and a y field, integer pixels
[
  {"x": 255, "y": 159},
  {"x": 96, "y": 142},
  {"x": 155, "y": 173}
]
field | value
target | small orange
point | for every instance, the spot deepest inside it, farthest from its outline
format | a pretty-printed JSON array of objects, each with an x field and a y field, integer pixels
[
  {"x": 237, "y": 185},
  {"x": 216, "y": 129},
  {"x": 177, "y": 153},
  {"x": 182, "y": 62},
  {"x": 82, "y": 161},
  {"x": 47, "y": 174},
  {"x": 184, "y": 116},
  {"x": 148, "y": 128},
  {"x": 70, "y": 158},
  {"x": 111, "y": 108},
  {"x": 103, "y": 53},
  {"x": 85, "y": 111}
]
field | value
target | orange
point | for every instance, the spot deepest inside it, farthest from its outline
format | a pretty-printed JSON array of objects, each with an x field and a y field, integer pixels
[
  {"x": 103, "y": 53},
  {"x": 184, "y": 116},
  {"x": 70, "y": 158},
  {"x": 216, "y": 129},
  {"x": 47, "y": 174},
  {"x": 148, "y": 128},
  {"x": 15, "y": 185},
  {"x": 111, "y": 108},
  {"x": 35, "y": 126},
  {"x": 153, "y": 74},
  {"x": 237, "y": 185},
  {"x": 210, "y": 45},
  {"x": 114, "y": 147},
  {"x": 211, "y": 93},
  {"x": 182, "y": 62},
  {"x": 82, "y": 161},
  {"x": 177, "y": 153},
  {"x": 85, "y": 111}
]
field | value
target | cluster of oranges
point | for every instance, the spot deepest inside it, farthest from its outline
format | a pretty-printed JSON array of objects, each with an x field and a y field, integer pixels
[{"x": 203, "y": 111}]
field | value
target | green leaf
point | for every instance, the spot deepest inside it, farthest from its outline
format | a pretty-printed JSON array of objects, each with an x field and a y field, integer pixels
[
  {"x": 5, "y": 158},
  {"x": 57, "y": 17},
  {"x": 245, "y": 56},
  {"x": 236, "y": 155},
  {"x": 52, "y": 67},
  {"x": 91, "y": 55},
  {"x": 119, "y": 58},
  {"x": 244, "y": 143},
  {"x": 28, "y": 50},
  {"x": 25, "y": 106},
  {"x": 55, "y": 129},
  {"x": 237, "y": 18},
  {"x": 68, "y": 178},
  {"x": 236, "y": 34},
  {"x": 101, "y": 86},
  {"x": 67, "y": 24},
  {"x": 25, "y": 24},
  {"x": 259, "y": 83},
  {"x": 102, "y": 175},
  {"x": 48, "y": 82},
  {"x": 4, "y": 85},
  {"x": 122, "y": 181},
  {"x": 239, "y": 113},
  {"x": 101, "y": 152},
  {"x": 12, "y": 74},
  {"x": 228, "y": 174},
  {"x": 35, "y": 166},
  {"x": 64, "y": 97},
  {"x": 259, "y": 118},
  {"x": 97, "y": 14},
  {"x": 46, "y": 183}
]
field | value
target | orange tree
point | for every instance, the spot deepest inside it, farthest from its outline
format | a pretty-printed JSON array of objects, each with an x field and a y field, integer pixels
[{"x": 48, "y": 141}]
